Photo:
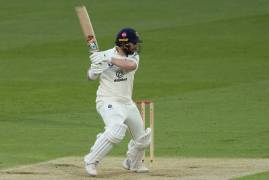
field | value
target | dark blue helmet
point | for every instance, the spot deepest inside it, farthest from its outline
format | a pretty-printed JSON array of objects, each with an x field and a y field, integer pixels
[{"x": 127, "y": 35}]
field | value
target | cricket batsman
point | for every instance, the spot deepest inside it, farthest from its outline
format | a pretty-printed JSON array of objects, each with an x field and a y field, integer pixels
[{"x": 115, "y": 69}]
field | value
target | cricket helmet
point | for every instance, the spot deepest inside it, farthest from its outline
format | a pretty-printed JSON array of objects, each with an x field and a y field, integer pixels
[{"x": 127, "y": 35}]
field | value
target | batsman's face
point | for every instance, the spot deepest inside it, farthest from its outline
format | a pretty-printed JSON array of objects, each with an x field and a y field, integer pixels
[{"x": 134, "y": 47}]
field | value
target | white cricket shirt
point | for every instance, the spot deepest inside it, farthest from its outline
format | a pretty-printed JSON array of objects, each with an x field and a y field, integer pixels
[{"x": 116, "y": 84}]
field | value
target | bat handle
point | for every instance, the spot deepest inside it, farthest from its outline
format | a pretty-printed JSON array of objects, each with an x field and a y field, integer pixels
[
  {"x": 92, "y": 44},
  {"x": 92, "y": 47}
]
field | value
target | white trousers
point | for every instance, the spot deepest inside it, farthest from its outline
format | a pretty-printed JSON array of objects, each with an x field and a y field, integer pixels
[
  {"x": 113, "y": 112},
  {"x": 117, "y": 118}
]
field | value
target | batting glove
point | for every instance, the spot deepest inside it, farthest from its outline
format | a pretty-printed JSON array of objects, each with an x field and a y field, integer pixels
[
  {"x": 99, "y": 68},
  {"x": 99, "y": 57}
]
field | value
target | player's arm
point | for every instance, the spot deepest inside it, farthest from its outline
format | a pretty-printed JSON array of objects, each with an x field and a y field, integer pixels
[
  {"x": 95, "y": 70},
  {"x": 91, "y": 75},
  {"x": 124, "y": 63}
]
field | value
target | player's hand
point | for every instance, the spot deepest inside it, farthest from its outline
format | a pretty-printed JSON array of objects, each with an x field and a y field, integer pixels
[
  {"x": 99, "y": 57},
  {"x": 99, "y": 68}
]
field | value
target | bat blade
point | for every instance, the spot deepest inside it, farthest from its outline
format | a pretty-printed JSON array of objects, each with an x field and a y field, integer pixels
[{"x": 87, "y": 28}]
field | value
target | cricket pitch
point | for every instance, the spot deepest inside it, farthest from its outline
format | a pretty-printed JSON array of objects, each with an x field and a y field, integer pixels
[{"x": 72, "y": 168}]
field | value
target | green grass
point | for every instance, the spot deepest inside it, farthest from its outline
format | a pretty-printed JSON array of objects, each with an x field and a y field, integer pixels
[
  {"x": 204, "y": 63},
  {"x": 259, "y": 176}
]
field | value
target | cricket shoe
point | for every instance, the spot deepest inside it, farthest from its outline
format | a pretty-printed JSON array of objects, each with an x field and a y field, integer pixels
[
  {"x": 91, "y": 169},
  {"x": 141, "y": 169}
]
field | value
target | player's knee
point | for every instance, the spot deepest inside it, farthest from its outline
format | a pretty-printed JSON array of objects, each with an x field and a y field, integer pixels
[
  {"x": 143, "y": 141},
  {"x": 115, "y": 133}
]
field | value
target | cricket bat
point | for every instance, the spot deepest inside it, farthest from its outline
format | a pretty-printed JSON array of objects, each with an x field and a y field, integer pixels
[{"x": 87, "y": 28}]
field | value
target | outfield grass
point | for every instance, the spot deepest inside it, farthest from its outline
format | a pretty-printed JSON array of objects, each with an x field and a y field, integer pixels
[
  {"x": 204, "y": 63},
  {"x": 259, "y": 176}
]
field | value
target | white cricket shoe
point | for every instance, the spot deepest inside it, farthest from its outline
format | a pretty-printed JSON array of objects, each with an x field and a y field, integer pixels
[
  {"x": 91, "y": 169},
  {"x": 126, "y": 164},
  {"x": 141, "y": 169}
]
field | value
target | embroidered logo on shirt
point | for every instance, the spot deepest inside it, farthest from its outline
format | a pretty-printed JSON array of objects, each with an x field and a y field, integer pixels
[{"x": 120, "y": 75}]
